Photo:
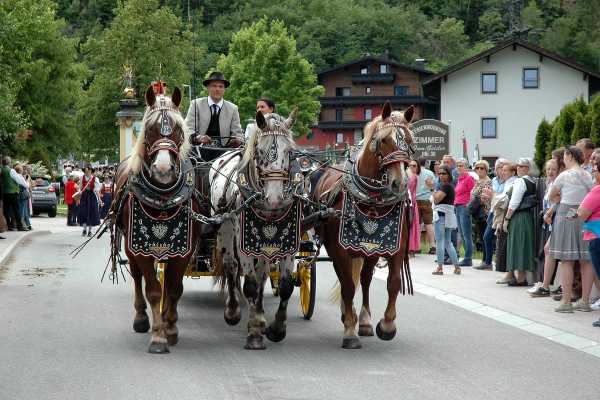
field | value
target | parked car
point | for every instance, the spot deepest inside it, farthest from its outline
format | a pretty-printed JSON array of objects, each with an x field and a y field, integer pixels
[{"x": 43, "y": 196}]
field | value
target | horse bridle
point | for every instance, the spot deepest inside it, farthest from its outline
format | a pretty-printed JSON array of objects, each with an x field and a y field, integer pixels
[
  {"x": 166, "y": 130},
  {"x": 403, "y": 150},
  {"x": 400, "y": 155}
]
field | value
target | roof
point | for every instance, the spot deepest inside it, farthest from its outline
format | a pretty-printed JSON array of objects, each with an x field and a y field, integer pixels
[
  {"x": 502, "y": 46},
  {"x": 381, "y": 59}
]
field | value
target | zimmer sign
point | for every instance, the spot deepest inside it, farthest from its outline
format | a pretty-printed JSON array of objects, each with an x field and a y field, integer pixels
[{"x": 430, "y": 138}]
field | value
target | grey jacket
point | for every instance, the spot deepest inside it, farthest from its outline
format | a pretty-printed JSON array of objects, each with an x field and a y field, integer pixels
[{"x": 198, "y": 118}]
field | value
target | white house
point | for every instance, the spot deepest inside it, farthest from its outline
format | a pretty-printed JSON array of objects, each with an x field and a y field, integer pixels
[{"x": 497, "y": 98}]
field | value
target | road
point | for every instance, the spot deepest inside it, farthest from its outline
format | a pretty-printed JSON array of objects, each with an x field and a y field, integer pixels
[{"x": 65, "y": 335}]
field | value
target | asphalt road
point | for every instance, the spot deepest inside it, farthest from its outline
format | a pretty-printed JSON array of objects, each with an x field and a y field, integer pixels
[{"x": 65, "y": 335}]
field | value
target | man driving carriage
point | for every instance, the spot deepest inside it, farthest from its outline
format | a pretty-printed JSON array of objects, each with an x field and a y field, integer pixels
[{"x": 212, "y": 119}]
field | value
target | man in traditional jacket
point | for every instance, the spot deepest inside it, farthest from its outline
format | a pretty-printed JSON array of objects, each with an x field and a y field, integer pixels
[{"x": 213, "y": 119}]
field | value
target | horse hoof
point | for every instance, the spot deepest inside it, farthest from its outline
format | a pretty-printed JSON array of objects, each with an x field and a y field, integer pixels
[
  {"x": 365, "y": 330},
  {"x": 141, "y": 325},
  {"x": 351, "y": 343},
  {"x": 254, "y": 343},
  {"x": 273, "y": 335},
  {"x": 383, "y": 335},
  {"x": 172, "y": 340},
  {"x": 158, "y": 348},
  {"x": 233, "y": 319}
]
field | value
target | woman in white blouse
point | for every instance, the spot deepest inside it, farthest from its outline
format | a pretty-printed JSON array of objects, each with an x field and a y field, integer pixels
[
  {"x": 519, "y": 224},
  {"x": 566, "y": 241}
]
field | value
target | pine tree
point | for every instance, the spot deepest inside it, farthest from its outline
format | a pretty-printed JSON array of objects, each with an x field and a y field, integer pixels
[
  {"x": 594, "y": 118},
  {"x": 542, "y": 138},
  {"x": 581, "y": 128}
]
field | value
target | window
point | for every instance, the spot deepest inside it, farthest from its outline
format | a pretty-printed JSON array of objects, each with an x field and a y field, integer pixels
[
  {"x": 488, "y": 83},
  {"x": 339, "y": 138},
  {"x": 368, "y": 90},
  {"x": 339, "y": 114},
  {"x": 383, "y": 69},
  {"x": 364, "y": 70},
  {"x": 342, "y": 91},
  {"x": 531, "y": 78},
  {"x": 368, "y": 114},
  {"x": 488, "y": 128},
  {"x": 400, "y": 90}
]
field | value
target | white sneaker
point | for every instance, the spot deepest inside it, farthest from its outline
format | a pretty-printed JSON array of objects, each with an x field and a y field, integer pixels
[
  {"x": 534, "y": 287},
  {"x": 596, "y": 305}
]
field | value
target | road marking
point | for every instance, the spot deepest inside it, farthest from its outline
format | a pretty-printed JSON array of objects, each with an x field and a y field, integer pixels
[{"x": 547, "y": 332}]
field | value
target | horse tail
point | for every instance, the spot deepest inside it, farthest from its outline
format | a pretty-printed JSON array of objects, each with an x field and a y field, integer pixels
[
  {"x": 219, "y": 277},
  {"x": 336, "y": 292}
]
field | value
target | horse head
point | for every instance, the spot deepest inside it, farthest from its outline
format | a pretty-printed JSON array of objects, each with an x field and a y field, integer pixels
[
  {"x": 268, "y": 151},
  {"x": 387, "y": 147},
  {"x": 164, "y": 140}
]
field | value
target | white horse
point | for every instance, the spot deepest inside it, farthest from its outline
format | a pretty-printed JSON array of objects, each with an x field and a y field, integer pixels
[{"x": 262, "y": 170}]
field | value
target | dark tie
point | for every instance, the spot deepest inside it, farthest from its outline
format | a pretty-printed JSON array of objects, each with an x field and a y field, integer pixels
[{"x": 215, "y": 109}]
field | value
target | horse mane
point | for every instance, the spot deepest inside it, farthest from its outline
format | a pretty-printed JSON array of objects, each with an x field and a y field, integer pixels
[
  {"x": 134, "y": 165},
  {"x": 373, "y": 127},
  {"x": 253, "y": 144}
]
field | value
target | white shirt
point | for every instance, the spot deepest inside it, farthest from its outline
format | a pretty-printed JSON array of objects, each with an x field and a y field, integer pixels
[
  {"x": 19, "y": 178},
  {"x": 211, "y": 102},
  {"x": 509, "y": 183},
  {"x": 519, "y": 189},
  {"x": 574, "y": 184}
]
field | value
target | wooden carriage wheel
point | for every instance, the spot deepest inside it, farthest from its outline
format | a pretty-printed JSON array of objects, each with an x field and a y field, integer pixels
[{"x": 307, "y": 274}]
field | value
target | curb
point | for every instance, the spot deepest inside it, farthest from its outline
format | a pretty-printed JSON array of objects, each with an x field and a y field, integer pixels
[{"x": 11, "y": 247}]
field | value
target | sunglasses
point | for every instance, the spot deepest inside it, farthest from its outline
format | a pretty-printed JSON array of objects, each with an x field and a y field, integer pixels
[
  {"x": 479, "y": 167},
  {"x": 443, "y": 173}
]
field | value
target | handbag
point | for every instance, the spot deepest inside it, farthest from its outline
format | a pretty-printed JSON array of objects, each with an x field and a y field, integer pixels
[
  {"x": 23, "y": 193},
  {"x": 475, "y": 208}
]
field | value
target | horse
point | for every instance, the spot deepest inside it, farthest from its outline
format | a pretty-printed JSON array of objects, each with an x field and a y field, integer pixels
[
  {"x": 376, "y": 183},
  {"x": 154, "y": 200},
  {"x": 259, "y": 182}
]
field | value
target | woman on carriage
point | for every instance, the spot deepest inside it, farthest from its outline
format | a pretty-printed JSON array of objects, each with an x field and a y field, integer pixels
[
  {"x": 89, "y": 215},
  {"x": 265, "y": 106}
]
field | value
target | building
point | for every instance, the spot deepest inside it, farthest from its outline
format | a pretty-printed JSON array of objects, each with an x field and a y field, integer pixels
[
  {"x": 355, "y": 93},
  {"x": 497, "y": 98}
]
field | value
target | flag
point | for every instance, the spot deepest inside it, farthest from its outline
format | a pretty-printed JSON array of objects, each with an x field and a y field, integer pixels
[{"x": 465, "y": 150}]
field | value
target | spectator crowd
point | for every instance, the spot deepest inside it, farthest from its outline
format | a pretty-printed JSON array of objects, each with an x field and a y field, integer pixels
[
  {"x": 87, "y": 194},
  {"x": 542, "y": 230}
]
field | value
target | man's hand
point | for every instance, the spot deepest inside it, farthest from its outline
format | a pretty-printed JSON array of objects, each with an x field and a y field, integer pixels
[
  {"x": 202, "y": 139},
  {"x": 486, "y": 194},
  {"x": 235, "y": 142},
  {"x": 548, "y": 216}
]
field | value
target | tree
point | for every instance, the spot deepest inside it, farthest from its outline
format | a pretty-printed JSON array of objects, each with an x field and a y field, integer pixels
[
  {"x": 542, "y": 138},
  {"x": 491, "y": 25},
  {"x": 145, "y": 35},
  {"x": 263, "y": 61},
  {"x": 581, "y": 127},
  {"x": 594, "y": 117},
  {"x": 40, "y": 78}
]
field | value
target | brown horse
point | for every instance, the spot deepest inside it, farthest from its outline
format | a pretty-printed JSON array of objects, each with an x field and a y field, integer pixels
[
  {"x": 156, "y": 185},
  {"x": 380, "y": 169}
]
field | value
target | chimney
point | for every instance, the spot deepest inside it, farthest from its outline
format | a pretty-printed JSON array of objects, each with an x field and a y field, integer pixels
[{"x": 420, "y": 63}]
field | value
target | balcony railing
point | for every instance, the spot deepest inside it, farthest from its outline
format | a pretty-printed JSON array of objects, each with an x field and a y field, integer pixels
[
  {"x": 371, "y": 78},
  {"x": 374, "y": 100},
  {"x": 332, "y": 125}
]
